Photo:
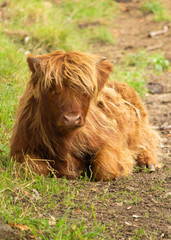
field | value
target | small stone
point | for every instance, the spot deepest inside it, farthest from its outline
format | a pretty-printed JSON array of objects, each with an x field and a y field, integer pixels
[
  {"x": 167, "y": 194},
  {"x": 136, "y": 216},
  {"x": 26, "y": 39},
  {"x": 155, "y": 87}
]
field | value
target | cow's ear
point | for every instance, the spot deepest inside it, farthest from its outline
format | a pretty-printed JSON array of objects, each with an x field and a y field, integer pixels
[
  {"x": 33, "y": 62},
  {"x": 36, "y": 91},
  {"x": 34, "y": 65},
  {"x": 104, "y": 70}
]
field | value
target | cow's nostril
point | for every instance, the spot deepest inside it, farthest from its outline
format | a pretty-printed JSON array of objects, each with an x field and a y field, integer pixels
[{"x": 72, "y": 119}]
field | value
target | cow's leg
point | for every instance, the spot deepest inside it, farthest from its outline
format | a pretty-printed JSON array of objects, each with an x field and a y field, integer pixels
[
  {"x": 112, "y": 162},
  {"x": 70, "y": 167},
  {"x": 148, "y": 159},
  {"x": 148, "y": 152}
]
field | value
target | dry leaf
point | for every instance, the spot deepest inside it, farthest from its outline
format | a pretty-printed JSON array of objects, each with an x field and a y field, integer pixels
[
  {"x": 115, "y": 33},
  {"x": 122, "y": 7},
  {"x": 168, "y": 135},
  {"x": 32, "y": 236},
  {"x": 120, "y": 204},
  {"x": 20, "y": 226},
  {"x": 78, "y": 210},
  {"x": 26, "y": 193},
  {"x": 129, "y": 224}
]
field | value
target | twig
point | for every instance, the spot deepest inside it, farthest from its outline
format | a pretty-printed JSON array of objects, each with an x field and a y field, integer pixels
[
  {"x": 168, "y": 127},
  {"x": 17, "y": 33},
  {"x": 154, "y": 47},
  {"x": 159, "y": 32}
]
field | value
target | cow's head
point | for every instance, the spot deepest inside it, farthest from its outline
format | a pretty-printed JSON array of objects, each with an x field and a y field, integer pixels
[{"x": 65, "y": 83}]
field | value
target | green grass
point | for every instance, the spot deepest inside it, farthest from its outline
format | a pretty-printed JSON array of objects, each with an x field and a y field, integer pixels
[
  {"x": 56, "y": 26},
  {"x": 128, "y": 197},
  {"x": 139, "y": 234},
  {"x": 100, "y": 34},
  {"x": 23, "y": 196},
  {"x": 155, "y": 7},
  {"x": 89, "y": 11},
  {"x": 134, "y": 68},
  {"x": 13, "y": 74}
]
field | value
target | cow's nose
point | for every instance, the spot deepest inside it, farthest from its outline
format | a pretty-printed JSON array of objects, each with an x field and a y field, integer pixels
[{"x": 72, "y": 120}]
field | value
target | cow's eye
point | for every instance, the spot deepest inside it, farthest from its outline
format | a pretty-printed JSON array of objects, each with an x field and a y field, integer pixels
[{"x": 51, "y": 91}]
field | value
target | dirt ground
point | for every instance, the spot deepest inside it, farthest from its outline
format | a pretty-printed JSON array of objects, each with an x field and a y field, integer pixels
[{"x": 147, "y": 214}]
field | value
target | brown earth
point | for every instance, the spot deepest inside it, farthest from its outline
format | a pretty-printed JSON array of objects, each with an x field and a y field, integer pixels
[{"x": 137, "y": 207}]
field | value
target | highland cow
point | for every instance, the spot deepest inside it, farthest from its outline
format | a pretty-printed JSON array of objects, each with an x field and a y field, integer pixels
[{"x": 72, "y": 119}]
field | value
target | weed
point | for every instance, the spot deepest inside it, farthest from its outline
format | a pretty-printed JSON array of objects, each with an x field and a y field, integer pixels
[
  {"x": 158, "y": 187},
  {"x": 137, "y": 169},
  {"x": 146, "y": 214},
  {"x": 156, "y": 8},
  {"x": 128, "y": 197},
  {"x": 93, "y": 212},
  {"x": 140, "y": 233},
  {"x": 147, "y": 170},
  {"x": 169, "y": 219},
  {"x": 160, "y": 63},
  {"x": 99, "y": 34}
]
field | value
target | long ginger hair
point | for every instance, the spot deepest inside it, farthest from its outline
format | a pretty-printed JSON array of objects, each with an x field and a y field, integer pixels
[{"x": 71, "y": 116}]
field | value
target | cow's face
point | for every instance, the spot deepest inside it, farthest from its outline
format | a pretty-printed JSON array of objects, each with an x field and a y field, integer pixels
[
  {"x": 67, "y": 108},
  {"x": 64, "y": 84}
]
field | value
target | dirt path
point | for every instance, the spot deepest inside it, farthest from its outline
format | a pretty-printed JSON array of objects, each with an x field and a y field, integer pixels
[{"x": 131, "y": 30}]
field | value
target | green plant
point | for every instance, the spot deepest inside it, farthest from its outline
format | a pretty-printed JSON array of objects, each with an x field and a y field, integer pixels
[
  {"x": 156, "y": 8},
  {"x": 160, "y": 63},
  {"x": 140, "y": 233},
  {"x": 128, "y": 197}
]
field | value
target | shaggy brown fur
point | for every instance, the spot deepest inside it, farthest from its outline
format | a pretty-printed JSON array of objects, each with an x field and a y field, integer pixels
[{"x": 72, "y": 120}]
